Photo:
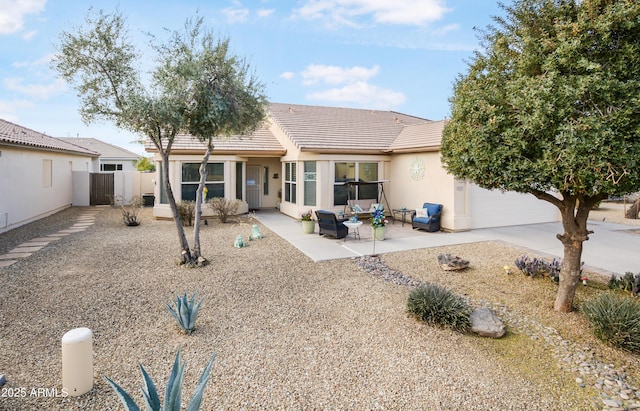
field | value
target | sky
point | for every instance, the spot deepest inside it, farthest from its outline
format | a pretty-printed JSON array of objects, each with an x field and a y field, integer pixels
[{"x": 399, "y": 55}]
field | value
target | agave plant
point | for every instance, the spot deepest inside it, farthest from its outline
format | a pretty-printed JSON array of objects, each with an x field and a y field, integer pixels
[
  {"x": 172, "y": 392},
  {"x": 186, "y": 311}
]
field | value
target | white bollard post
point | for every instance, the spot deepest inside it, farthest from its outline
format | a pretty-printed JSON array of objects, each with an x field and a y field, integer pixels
[{"x": 77, "y": 361}]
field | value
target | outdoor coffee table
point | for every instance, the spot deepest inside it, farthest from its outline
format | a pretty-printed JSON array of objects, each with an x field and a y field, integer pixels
[{"x": 354, "y": 227}]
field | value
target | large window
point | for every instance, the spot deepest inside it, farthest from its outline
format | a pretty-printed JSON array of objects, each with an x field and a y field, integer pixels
[
  {"x": 310, "y": 183},
  {"x": 290, "y": 182},
  {"x": 239, "y": 180},
  {"x": 191, "y": 179},
  {"x": 355, "y": 171}
]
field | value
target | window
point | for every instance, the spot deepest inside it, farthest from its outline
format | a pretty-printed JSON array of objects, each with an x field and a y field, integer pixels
[
  {"x": 354, "y": 172},
  {"x": 290, "y": 182},
  {"x": 163, "y": 191},
  {"x": 310, "y": 183},
  {"x": 265, "y": 184},
  {"x": 191, "y": 179},
  {"x": 239, "y": 180},
  {"x": 110, "y": 167},
  {"x": 47, "y": 173}
]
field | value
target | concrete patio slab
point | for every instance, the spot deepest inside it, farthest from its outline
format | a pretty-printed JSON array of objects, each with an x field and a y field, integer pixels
[{"x": 611, "y": 249}]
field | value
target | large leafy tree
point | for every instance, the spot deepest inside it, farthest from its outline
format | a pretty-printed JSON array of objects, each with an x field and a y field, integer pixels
[
  {"x": 197, "y": 87},
  {"x": 551, "y": 106}
]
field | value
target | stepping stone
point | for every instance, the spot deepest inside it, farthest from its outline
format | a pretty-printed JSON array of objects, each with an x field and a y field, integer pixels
[
  {"x": 44, "y": 239},
  {"x": 36, "y": 243},
  {"x": 10, "y": 256},
  {"x": 84, "y": 225},
  {"x": 71, "y": 231},
  {"x": 60, "y": 234},
  {"x": 7, "y": 263},
  {"x": 24, "y": 249}
]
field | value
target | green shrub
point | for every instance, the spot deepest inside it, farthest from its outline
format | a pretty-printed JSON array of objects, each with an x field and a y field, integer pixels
[
  {"x": 187, "y": 211},
  {"x": 224, "y": 208},
  {"x": 615, "y": 319},
  {"x": 186, "y": 312},
  {"x": 628, "y": 282},
  {"x": 172, "y": 393},
  {"x": 436, "y": 305}
]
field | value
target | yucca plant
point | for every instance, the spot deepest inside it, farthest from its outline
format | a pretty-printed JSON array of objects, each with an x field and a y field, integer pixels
[
  {"x": 186, "y": 311},
  {"x": 615, "y": 319},
  {"x": 172, "y": 392},
  {"x": 437, "y": 305}
]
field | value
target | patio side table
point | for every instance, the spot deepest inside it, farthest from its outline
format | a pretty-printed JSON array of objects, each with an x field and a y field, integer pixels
[
  {"x": 403, "y": 211},
  {"x": 354, "y": 227}
]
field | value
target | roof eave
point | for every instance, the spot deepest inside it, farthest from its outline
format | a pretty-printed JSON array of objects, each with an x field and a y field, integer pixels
[{"x": 51, "y": 149}]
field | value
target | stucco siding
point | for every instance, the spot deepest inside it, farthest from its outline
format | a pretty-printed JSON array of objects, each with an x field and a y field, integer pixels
[{"x": 34, "y": 184}]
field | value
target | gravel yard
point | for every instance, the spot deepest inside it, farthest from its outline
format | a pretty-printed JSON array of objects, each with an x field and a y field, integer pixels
[{"x": 288, "y": 333}]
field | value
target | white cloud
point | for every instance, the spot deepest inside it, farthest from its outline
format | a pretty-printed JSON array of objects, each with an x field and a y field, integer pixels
[
  {"x": 347, "y": 12},
  {"x": 236, "y": 15},
  {"x": 446, "y": 29},
  {"x": 41, "y": 91},
  {"x": 41, "y": 62},
  {"x": 362, "y": 94},
  {"x": 288, "y": 75},
  {"x": 262, "y": 13},
  {"x": 13, "y": 12},
  {"x": 315, "y": 73}
]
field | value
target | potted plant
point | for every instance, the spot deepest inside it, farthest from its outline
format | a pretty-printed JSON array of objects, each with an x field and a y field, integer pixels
[
  {"x": 378, "y": 223},
  {"x": 308, "y": 225}
]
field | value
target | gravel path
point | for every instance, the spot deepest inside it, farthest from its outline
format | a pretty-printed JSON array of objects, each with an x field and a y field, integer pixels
[{"x": 288, "y": 333}]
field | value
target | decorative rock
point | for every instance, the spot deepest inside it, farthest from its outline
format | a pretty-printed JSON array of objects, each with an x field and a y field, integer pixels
[
  {"x": 255, "y": 233},
  {"x": 239, "y": 243},
  {"x": 486, "y": 323},
  {"x": 3, "y": 380},
  {"x": 451, "y": 263}
]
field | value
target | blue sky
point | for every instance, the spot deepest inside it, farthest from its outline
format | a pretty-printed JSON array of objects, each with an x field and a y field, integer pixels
[{"x": 400, "y": 55}]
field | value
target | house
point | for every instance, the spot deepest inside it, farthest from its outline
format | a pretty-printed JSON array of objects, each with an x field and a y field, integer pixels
[
  {"x": 112, "y": 158},
  {"x": 304, "y": 156},
  {"x": 39, "y": 175}
]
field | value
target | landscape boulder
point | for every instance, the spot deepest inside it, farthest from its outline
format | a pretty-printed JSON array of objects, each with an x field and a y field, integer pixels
[{"x": 486, "y": 323}]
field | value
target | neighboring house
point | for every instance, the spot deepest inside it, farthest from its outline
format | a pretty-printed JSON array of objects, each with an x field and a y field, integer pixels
[
  {"x": 303, "y": 155},
  {"x": 112, "y": 158},
  {"x": 39, "y": 175}
]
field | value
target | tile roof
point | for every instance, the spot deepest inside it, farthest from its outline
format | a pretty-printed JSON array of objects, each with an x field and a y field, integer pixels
[
  {"x": 261, "y": 142},
  {"x": 106, "y": 150},
  {"x": 419, "y": 137},
  {"x": 338, "y": 130},
  {"x": 14, "y": 134},
  {"x": 321, "y": 129}
]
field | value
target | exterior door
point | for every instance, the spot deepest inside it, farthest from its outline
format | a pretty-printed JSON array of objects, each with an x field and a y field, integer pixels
[{"x": 254, "y": 184}]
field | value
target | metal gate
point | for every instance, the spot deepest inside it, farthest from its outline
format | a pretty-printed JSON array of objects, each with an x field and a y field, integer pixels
[{"x": 101, "y": 189}]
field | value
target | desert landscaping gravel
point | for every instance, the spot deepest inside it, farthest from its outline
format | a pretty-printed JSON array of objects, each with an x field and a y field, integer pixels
[{"x": 289, "y": 333}]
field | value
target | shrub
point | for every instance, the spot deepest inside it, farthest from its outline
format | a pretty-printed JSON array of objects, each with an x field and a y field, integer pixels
[
  {"x": 628, "y": 282},
  {"x": 615, "y": 319},
  {"x": 436, "y": 305},
  {"x": 186, "y": 312},
  {"x": 224, "y": 207},
  {"x": 173, "y": 390},
  {"x": 534, "y": 267},
  {"x": 187, "y": 211},
  {"x": 129, "y": 212}
]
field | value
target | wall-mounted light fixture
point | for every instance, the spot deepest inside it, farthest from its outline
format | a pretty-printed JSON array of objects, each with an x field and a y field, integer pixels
[{"x": 275, "y": 176}]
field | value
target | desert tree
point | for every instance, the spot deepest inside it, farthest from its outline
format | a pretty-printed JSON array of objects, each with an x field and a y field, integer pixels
[
  {"x": 100, "y": 60},
  {"x": 550, "y": 105}
]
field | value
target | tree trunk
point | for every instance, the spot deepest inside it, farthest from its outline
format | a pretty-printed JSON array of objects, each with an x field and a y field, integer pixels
[
  {"x": 633, "y": 211},
  {"x": 185, "y": 253},
  {"x": 199, "y": 198},
  {"x": 574, "y": 221}
]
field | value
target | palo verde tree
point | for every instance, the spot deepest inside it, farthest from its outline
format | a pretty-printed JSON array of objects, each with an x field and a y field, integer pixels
[
  {"x": 105, "y": 69},
  {"x": 551, "y": 106}
]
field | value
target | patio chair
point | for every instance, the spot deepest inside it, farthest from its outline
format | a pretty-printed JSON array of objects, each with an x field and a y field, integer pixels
[
  {"x": 330, "y": 225},
  {"x": 427, "y": 218}
]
